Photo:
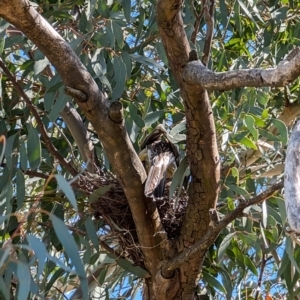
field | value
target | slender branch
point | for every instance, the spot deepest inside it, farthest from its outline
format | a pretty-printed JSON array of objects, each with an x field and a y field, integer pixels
[
  {"x": 216, "y": 227},
  {"x": 49, "y": 145},
  {"x": 195, "y": 73},
  {"x": 198, "y": 20},
  {"x": 210, "y": 21},
  {"x": 36, "y": 174},
  {"x": 259, "y": 283}
]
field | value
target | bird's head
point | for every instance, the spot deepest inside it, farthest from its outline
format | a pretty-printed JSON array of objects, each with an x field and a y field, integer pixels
[{"x": 155, "y": 135}]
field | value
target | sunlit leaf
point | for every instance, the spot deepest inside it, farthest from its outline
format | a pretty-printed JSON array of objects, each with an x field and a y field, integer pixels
[
  {"x": 248, "y": 143},
  {"x": 40, "y": 65},
  {"x": 250, "y": 123}
]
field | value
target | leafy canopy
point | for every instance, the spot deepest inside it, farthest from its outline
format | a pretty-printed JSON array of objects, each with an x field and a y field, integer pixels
[{"x": 118, "y": 42}]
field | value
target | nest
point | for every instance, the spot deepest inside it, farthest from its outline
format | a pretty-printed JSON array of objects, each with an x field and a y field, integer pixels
[
  {"x": 172, "y": 211},
  {"x": 113, "y": 208}
]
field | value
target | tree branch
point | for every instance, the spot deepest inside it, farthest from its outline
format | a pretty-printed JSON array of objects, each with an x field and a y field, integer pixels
[
  {"x": 195, "y": 73},
  {"x": 210, "y": 21},
  {"x": 45, "y": 137},
  {"x": 198, "y": 20},
  {"x": 115, "y": 140},
  {"x": 201, "y": 142},
  {"x": 80, "y": 134},
  {"x": 216, "y": 227}
]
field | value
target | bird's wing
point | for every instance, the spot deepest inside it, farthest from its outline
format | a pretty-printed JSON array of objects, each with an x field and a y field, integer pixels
[{"x": 161, "y": 157}]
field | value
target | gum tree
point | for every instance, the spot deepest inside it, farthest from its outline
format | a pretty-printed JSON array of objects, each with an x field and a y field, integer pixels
[{"x": 81, "y": 91}]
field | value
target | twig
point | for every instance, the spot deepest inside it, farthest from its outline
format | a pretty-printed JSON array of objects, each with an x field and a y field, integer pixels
[
  {"x": 209, "y": 19},
  {"x": 262, "y": 268},
  {"x": 198, "y": 20},
  {"x": 40, "y": 124},
  {"x": 62, "y": 293},
  {"x": 36, "y": 174},
  {"x": 215, "y": 228}
]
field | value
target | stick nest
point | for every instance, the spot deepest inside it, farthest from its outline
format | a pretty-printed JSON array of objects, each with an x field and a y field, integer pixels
[{"x": 110, "y": 204}]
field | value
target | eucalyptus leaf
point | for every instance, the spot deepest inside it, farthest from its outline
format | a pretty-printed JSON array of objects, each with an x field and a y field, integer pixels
[
  {"x": 153, "y": 117},
  {"x": 71, "y": 250},
  {"x": 224, "y": 245},
  {"x": 20, "y": 183},
  {"x": 40, "y": 251},
  {"x": 67, "y": 189},
  {"x": 33, "y": 147},
  {"x": 24, "y": 280},
  {"x": 136, "y": 270},
  {"x": 119, "y": 77},
  {"x": 90, "y": 228},
  {"x": 282, "y": 130}
]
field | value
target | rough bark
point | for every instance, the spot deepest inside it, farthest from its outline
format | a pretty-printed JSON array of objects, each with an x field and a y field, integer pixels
[{"x": 201, "y": 145}]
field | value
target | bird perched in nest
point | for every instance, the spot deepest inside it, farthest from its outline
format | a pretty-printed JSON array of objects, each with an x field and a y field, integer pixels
[{"x": 160, "y": 158}]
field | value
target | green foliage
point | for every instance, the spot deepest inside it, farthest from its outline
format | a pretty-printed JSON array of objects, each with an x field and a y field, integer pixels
[{"x": 119, "y": 44}]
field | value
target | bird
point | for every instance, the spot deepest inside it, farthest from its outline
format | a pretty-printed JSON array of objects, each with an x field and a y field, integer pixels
[{"x": 160, "y": 158}]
